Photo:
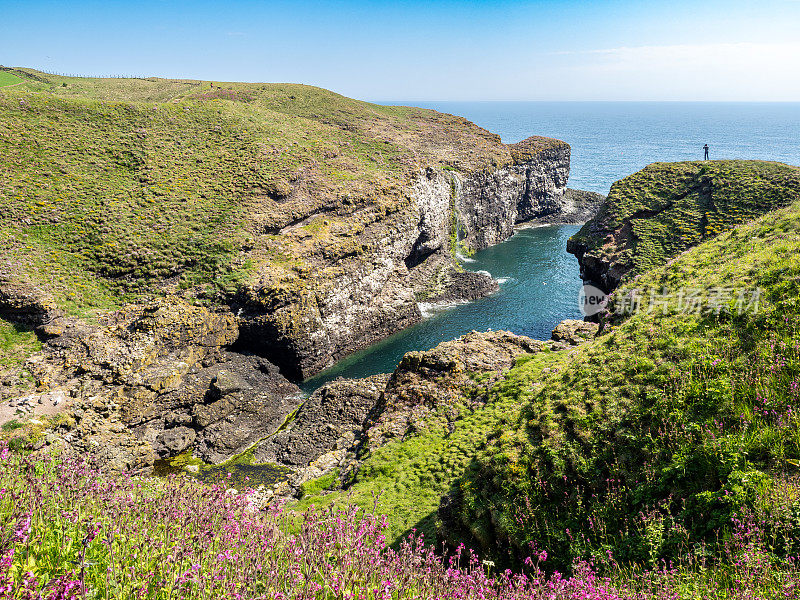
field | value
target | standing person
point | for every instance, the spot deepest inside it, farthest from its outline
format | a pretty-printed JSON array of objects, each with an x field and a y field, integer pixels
[{"x": 705, "y": 152}]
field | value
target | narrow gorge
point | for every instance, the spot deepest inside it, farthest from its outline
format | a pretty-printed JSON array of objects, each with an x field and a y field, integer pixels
[{"x": 237, "y": 267}]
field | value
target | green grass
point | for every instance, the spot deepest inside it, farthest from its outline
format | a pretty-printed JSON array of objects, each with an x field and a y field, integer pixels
[
  {"x": 409, "y": 476},
  {"x": 115, "y": 189},
  {"x": 320, "y": 484},
  {"x": 682, "y": 418},
  {"x": 666, "y": 208},
  {"x": 17, "y": 343},
  {"x": 7, "y": 78}
]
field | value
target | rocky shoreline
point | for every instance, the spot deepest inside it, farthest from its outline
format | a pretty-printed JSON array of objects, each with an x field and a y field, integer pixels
[
  {"x": 150, "y": 382},
  {"x": 409, "y": 256}
]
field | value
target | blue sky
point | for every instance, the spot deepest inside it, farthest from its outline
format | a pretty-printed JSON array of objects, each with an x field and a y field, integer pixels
[{"x": 417, "y": 50}]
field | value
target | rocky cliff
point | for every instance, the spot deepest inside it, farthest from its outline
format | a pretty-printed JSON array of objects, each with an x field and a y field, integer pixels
[
  {"x": 491, "y": 202},
  {"x": 400, "y": 258},
  {"x": 654, "y": 215},
  {"x": 319, "y": 221},
  {"x": 154, "y": 381},
  {"x": 187, "y": 244}
]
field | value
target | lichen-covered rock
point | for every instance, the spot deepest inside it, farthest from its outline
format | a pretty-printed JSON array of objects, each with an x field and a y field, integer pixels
[
  {"x": 24, "y": 303},
  {"x": 437, "y": 378},
  {"x": 160, "y": 377},
  {"x": 493, "y": 201},
  {"x": 332, "y": 418},
  {"x": 666, "y": 208},
  {"x": 573, "y": 332}
]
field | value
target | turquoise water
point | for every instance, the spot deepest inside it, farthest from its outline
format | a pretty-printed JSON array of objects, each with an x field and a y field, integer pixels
[
  {"x": 539, "y": 285},
  {"x": 609, "y": 141}
]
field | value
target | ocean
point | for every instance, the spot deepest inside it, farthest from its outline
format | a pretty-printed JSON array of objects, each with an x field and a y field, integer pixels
[
  {"x": 613, "y": 139},
  {"x": 539, "y": 281}
]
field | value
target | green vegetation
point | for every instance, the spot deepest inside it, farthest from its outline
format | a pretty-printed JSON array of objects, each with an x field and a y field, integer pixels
[
  {"x": 643, "y": 445},
  {"x": 7, "y": 78},
  {"x": 666, "y": 208},
  {"x": 320, "y": 484},
  {"x": 11, "y": 425},
  {"x": 409, "y": 476},
  {"x": 116, "y": 189},
  {"x": 240, "y": 472},
  {"x": 648, "y": 441},
  {"x": 17, "y": 343}
]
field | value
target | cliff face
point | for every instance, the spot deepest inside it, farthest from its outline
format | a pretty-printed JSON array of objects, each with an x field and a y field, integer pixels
[
  {"x": 666, "y": 208},
  {"x": 400, "y": 257},
  {"x": 532, "y": 187},
  {"x": 318, "y": 220}
]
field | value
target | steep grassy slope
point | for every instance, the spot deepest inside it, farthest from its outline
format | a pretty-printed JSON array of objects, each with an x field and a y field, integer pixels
[
  {"x": 409, "y": 476},
  {"x": 643, "y": 443},
  {"x": 112, "y": 186},
  {"x": 662, "y": 210},
  {"x": 648, "y": 441}
]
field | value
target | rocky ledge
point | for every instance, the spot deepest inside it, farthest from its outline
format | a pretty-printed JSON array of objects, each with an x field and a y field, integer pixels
[
  {"x": 155, "y": 381},
  {"x": 666, "y": 208},
  {"x": 346, "y": 419}
]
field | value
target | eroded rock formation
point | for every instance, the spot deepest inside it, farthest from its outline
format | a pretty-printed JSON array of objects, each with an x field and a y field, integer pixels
[
  {"x": 531, "y": 187},
  {"x": 304, "y": 322},
  {"x": 158, "y": 380},
  {"x": 347, "y": 419}
]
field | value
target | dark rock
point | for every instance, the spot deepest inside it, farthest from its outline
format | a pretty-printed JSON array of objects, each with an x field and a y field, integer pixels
[
  {"x": 332, "y": 417},
  {"x": 466, "y": 285},
  {"x": 174, "y": 441},
  {"x": 161, "y": 376},
  {"x": 493, "y": 202},
  {"x": 226, "y": 383},
  {"x": 26, "y": 304}
]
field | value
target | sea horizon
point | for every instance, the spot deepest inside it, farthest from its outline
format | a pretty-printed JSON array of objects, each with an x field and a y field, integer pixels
[{"x": 613, "y": 139}]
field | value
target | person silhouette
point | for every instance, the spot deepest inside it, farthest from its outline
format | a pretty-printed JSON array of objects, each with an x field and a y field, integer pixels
[{"x": 705, "y": 152}]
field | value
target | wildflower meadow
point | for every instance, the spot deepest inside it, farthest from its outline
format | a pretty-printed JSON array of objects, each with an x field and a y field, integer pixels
[{"x": 69, "y": 531}]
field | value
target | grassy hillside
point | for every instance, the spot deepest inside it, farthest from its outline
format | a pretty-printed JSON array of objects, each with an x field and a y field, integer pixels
[
  {"x": 660, "y": 211},
  {"x": 114, "y": 188},
  {"x": 409, "y": 476},
  {"x": 647, "y": 442},
  {"x": 644, "y": 443},
  {"x": 9, "y": 79}
]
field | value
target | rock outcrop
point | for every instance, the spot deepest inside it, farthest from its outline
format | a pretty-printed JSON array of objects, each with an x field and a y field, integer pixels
[
  {"x": 307, "y": 321},
  {"x": 158, "y": 380},
  {"x": 666, "y": 208},
  {"x": 332, "y": 419},
  {"x": 435, "y": 378},
  {"x": 347, "y": 419},
  {"x": 532, "y": 187}
]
